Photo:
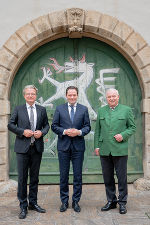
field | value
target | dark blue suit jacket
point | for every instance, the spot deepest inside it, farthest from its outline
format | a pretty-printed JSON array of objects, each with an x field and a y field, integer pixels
[
  {"x": 19, "y": 121},
  {"x": 62, "y": 121}
]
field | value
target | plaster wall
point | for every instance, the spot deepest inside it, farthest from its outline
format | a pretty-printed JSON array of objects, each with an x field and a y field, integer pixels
[{"x": 14, "y": 14}]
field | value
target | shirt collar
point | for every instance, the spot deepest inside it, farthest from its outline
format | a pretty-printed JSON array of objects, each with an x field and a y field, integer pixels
[
  {"x": 28, "y": 106},
  {"x": 113, "y": 107},
  {"x": 75, "y": 105}
]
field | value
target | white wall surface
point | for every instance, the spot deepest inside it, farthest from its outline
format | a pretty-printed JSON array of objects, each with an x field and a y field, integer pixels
[{"x": 16, "y": 13}]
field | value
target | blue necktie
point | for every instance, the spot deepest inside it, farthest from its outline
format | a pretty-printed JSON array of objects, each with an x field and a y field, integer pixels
[{"x": 72, "y": 113}]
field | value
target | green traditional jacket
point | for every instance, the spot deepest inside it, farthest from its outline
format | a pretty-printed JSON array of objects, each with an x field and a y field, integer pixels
[{"x": 109, "y": 123}]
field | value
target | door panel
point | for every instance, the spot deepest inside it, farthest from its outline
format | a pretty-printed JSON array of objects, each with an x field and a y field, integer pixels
[{"x": 92, "y": 66}]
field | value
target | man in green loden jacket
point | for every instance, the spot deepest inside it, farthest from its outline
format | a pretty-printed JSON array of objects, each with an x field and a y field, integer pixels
[{"x": 114, "y": 125}]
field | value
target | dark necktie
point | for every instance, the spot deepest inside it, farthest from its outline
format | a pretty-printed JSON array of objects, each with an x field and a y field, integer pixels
[
  {"x": 32, "y": 122},
  {"x": 72, "y": 113},
  {"x": 112, "y": 108}
]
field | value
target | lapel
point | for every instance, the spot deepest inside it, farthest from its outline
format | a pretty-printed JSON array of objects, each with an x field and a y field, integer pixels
[
  {"x": 66, "y": 111},
  {"x": 26, "y": 116},
  {"x": 77, "y": 111},
  {"x": 38, "y": 111}
]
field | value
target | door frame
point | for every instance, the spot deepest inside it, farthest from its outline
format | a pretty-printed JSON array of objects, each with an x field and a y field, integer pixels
[{"x": 73, "y": 23}]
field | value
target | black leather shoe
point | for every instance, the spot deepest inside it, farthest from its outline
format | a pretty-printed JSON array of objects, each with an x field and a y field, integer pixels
[
  {"x": 122, "y": 209},
  {"x": 37, "y": 208},
  {"x": 109, "y": 205},
  {"x": 76, "y": 207},
  {"x": 63, "y": 207},
  {"x": 23, "y": 214}
]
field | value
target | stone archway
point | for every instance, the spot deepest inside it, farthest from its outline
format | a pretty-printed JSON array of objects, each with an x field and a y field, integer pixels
[{"x": 73, "y": 23}]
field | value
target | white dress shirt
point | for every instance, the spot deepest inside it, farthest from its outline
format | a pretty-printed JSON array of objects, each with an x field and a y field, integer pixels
[
  {"x": 34, "y": 112},
  {"x": 74, "y": 107},
  {"x": 69, "y": 110}
]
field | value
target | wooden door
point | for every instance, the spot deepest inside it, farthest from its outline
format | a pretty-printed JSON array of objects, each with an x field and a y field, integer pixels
[{"x": 92, "y": 66}]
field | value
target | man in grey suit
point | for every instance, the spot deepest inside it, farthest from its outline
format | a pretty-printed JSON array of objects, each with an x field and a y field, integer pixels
[
  {"x": 30, "y": 123},
  {"x": 71, "y": 123}
]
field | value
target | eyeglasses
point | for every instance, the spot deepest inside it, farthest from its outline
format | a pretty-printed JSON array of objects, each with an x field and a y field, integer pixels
[{"x": 28, "y": 94}]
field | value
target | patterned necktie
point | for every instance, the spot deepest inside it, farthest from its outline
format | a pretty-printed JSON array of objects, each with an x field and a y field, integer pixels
[
  {"x": 32, "y": 122},
  {"x": 72, "y": 113}
]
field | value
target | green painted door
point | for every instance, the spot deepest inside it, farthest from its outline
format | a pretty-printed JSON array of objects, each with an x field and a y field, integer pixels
[{"x": 93, "y": 66}]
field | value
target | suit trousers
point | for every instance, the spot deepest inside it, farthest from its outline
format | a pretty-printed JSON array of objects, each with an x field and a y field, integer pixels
[
  {"x": 119, "y": 164},
  {"x": 77, "y": 158},
  {"x": 28, "y": 162}
]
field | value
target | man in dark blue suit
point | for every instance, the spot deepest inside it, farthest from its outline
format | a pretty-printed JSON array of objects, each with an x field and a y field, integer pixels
[
  {"x": 30, "y": 123},
  {"x": 71, "y": 123}
]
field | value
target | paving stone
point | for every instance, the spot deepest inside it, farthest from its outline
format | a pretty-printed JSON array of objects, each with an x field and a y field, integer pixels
[{"x": 93, "y": 198}]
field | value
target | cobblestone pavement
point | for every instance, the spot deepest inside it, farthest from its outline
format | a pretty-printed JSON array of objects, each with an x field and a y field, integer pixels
[{"x": 93, "y": 198}]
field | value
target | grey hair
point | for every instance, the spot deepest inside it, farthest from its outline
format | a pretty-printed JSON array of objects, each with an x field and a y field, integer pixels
[
  {"x": 31, "y": 86},
  {"x": 112, "y": 89}
]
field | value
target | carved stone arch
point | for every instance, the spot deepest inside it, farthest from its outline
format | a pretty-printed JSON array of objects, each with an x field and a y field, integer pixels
[{"x": 73, "y": 23}]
